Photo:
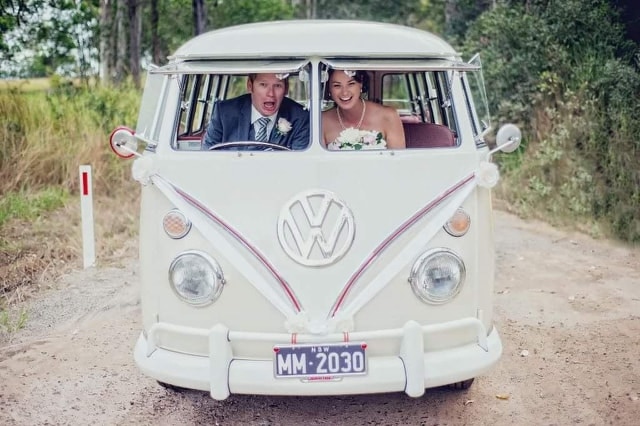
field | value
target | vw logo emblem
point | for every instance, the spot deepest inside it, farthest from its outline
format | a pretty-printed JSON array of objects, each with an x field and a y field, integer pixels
[{"x": 316, "y": 228}]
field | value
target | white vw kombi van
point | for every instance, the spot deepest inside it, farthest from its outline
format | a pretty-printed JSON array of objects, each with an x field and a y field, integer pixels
[{"x": 266, "y": 270}]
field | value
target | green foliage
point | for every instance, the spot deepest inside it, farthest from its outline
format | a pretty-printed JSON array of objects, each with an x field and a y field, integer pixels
[
  {"x": 585, "y": 27},
  {"x": 236, "y": 12},
  {"x": 614, "y": 146},
  {"x": 429, "y": 16},
  {"x": 29, "y": 205},
  {"x": 14, "y": 13},
  {"x": 46, "y": 135},
  {"x": 101, "y": 105},
  {"x": 562, "y": 71},
  {"x": 516, "y": 49},
  {"x": 398, "y": 11},
  {"x": 12, "y": 322},
  {"x": 461, "y": 13},
  {"x": 174, "y": 25},
  {"x": 56, "y": 34}
]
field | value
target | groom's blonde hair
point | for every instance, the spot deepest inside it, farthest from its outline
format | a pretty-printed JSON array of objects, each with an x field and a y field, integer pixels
[{"x": 253, "y": 76}]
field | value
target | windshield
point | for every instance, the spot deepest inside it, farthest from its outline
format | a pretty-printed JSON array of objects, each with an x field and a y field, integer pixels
[{"x": 420, "y": 92}]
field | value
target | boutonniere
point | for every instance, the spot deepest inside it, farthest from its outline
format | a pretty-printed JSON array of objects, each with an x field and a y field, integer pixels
[{"x": 283, "y": 126}]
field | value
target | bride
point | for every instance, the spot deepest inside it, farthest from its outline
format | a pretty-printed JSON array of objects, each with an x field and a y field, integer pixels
[{"x": 355, "y": 123}]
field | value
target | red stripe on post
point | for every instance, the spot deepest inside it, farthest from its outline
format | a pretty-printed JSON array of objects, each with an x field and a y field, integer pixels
[{"x": 85, "y": 183}]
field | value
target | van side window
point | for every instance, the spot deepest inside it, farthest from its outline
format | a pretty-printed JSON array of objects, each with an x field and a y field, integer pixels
[
  {"x": 423, "y": 102},
  {"x": 399, "y": 93},
  {"x": 193, "y": 105}
]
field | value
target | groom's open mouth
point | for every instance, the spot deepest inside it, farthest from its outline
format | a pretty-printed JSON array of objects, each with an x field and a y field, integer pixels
[{"x": 269, "y": 106}]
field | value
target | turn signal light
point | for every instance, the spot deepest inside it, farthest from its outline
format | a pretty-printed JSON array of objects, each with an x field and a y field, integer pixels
[
  {"x": 176, "y": 224},
  {"x": 458, "y": 224}
]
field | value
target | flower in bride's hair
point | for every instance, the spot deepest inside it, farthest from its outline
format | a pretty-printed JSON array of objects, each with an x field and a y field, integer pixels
[{"x": 350, "y": 73}]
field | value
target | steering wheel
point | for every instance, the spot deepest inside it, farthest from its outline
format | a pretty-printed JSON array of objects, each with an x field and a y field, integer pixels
[{"x": 225, "y": 145}]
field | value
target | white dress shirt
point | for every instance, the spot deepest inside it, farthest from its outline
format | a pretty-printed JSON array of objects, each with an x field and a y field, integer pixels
[{"x": 255, "y": 115}]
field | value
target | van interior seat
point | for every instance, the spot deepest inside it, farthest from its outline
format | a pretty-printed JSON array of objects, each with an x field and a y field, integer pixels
[
  {"x": 428, "y": 135},
  {"x": 410, "y": 118}
]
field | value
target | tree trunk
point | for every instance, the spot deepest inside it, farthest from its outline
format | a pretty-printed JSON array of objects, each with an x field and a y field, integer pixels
[
  {"x": 120, "y": 42},
  {"x": 199, "y": 16},
  {"x": 311, "y": 9},
  {"x": 451, "y": 16},
  {"x": 135, "y": 29},
  {"x": 155, "y": 36},
  {"x": 106, "y": 51}
]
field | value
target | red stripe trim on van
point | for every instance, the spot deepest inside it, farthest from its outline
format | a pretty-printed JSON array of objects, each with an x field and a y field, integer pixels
[
  {"x": 406, "y": 225},
  {"x": 245, "y": 243}
]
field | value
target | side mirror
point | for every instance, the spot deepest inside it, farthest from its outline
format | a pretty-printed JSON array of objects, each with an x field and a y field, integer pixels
[
  {"x": 508, "y": 138},
  {"x": 123, "y": 142}
]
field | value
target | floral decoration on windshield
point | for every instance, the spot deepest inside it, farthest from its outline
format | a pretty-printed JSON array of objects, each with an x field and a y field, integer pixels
[
  {"x": 283, "y": 126},
  {"x": 357, "y": 140}
]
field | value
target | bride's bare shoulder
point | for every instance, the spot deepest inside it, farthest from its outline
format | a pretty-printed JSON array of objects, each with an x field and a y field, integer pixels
[
  {"x": 329, "y": 112},
  {"x": 382, "y": 111}
]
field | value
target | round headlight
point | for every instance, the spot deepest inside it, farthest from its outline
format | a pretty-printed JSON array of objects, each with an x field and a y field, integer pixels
[
  {"x": 196, "y": 278},
  {"x": 437, "y": 276}
]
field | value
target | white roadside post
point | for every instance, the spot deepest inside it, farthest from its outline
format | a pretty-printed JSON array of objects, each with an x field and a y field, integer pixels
[{"x": 86, "y": 207}]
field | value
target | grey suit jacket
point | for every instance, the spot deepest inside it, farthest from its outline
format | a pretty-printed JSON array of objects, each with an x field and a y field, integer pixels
[{"x": 231, "y": 122}]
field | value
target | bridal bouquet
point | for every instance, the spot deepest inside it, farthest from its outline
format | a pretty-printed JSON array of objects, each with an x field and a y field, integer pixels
[{"x": 356, "y": 139}]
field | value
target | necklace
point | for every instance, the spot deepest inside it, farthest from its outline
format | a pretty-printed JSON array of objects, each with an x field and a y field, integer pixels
[{"x": 364, "y": 110}]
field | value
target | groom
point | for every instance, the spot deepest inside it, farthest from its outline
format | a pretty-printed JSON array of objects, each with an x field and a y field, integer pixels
[{"x": 245, "y": 118}]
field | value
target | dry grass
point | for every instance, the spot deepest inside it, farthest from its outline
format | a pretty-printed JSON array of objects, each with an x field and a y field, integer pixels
[
  {"x": 32, "y": 84},
  {"x": 45, "y": 135},
  {"x": 38, "y": 252}
]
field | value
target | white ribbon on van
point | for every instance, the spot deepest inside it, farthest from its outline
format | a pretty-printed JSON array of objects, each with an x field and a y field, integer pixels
[
  {"x": 204, "y": 224},
  {"x": 342, "y": 312}
]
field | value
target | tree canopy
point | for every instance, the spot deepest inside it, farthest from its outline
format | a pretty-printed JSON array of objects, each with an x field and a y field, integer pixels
[{"x": 72, "y": 37}]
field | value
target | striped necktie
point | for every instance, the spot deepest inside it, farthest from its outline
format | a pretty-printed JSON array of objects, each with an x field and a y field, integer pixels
[{"x": 261, "y": 134}]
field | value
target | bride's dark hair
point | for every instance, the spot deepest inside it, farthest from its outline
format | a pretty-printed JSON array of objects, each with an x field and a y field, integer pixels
[{"x": 360, "y": 76}]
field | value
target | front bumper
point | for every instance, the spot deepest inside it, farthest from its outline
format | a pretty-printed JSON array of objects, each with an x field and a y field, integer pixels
[{"x": 411, "y": 370}]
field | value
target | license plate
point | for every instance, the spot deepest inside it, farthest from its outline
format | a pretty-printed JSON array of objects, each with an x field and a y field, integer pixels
[{"x": 320, "y": 360}]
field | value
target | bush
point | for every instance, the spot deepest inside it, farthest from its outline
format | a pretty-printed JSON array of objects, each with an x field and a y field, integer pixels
[
  {"x": 46, "y": 135},
  {"x": 562, "y": 71}
]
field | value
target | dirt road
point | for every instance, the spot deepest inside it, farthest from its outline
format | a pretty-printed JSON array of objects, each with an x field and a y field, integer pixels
[{"x": 567, "y": 307}]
